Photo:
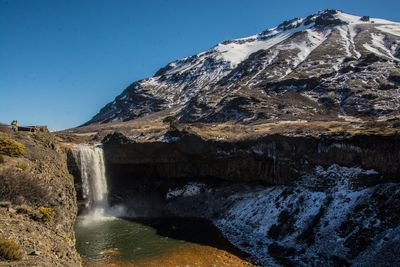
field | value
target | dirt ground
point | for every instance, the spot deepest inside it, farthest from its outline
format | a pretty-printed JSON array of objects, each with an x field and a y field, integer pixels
[
  {"x": 195, "y": 256},
  {"x": 151, "y": 128}
]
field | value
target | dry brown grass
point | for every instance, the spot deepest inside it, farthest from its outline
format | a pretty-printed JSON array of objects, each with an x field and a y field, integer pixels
[
  {"x": 9, "y": 250},
  {"x": 47, "y": 213},
  {"x": 150, "y": 130},
  {"x": 21, "y": 188}
]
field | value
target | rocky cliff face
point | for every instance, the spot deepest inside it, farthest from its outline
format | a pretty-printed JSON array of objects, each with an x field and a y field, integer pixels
[
  {"x": 327, "y": 65},
  {"x": 325, "y": 219},
  {"x": 285, "y": 200},
  {"x": 38, "y": 202},
  {"x": 275, "y": 159}
]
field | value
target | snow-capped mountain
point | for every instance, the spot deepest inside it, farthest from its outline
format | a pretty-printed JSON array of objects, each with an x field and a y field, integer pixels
[{"x": 329, "y": 64}]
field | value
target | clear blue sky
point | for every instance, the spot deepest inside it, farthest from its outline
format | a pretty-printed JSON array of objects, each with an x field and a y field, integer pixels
[{"x": 61, "y": 61}]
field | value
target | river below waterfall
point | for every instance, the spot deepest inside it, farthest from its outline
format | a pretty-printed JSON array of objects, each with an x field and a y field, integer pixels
[{"x": 155, "y": 242}]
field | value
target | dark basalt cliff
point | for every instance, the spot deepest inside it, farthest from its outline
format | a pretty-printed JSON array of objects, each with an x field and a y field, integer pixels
[{"x": 274, "y": 159}]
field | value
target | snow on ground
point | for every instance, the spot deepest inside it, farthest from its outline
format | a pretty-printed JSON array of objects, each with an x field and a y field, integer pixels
[
  {"x": 314, "y": 39},
  {"x": 236, "y": 51},
  {"x": 347, "y": 40},
  {"x": 378, "y": 46},
  {"x": 187, "y": 190},
  {"x": 391, "y": 29},
  {"x": 351, "y": 19},
  {"x": 168, "y": 139},
  {"x": 331, "y": 212},
  {"x": 248, "y": 221}
]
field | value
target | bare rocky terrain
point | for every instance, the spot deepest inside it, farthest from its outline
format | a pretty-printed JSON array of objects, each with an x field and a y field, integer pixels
[{"x": 38, "y": 202}]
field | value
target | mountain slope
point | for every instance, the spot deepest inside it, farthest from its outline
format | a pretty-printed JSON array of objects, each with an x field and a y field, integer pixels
[{"x": 326, "y": 65}]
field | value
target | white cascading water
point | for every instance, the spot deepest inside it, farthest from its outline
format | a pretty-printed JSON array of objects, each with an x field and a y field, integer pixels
[{"x": 94, "y": 182}]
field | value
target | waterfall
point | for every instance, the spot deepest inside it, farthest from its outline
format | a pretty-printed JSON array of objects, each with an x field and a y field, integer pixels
[
  {"x": 93, "y": 174},
  {"x": 90, "y": 160}
]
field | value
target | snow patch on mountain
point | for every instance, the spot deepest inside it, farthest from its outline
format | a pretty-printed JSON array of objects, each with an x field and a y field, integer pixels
[
  {"x": 395, "y": 30},
  {"x": 238, "y": 50},
  {"x": 352, "y": 19},
  {"x": 378, "y": 46}
]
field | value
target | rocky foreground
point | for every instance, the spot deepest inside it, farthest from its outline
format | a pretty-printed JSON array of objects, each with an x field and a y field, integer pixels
[{"x": 37, "y": 201}]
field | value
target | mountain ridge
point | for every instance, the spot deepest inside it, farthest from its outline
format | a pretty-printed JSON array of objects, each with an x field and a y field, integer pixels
[{"x": 327, "y": 64}]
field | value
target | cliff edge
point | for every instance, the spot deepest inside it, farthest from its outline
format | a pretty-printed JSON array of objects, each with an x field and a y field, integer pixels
[{"x": 37, "y": 201}]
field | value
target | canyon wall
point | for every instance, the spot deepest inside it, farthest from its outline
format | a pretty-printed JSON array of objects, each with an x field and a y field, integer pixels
[
  {"x": 37, "y": 202},
  {"x": 284, "y": 200},
  {"x": 275, "y": 159}
]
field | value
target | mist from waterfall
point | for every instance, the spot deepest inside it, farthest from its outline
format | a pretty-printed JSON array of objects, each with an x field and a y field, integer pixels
[{"x": 90, "y": 159}]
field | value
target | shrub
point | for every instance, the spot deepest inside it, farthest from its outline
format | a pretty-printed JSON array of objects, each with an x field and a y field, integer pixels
[
  {"x": 21, "y": 188},
  {"x": 47, "y": 213},
  {"x": 2, "y": 159},
  {"x": 9, "y": 250},
  {"x": 22, "y": 166},
  {"x": 43, "y": 214},
  {"x": 10, "y": 147}
]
